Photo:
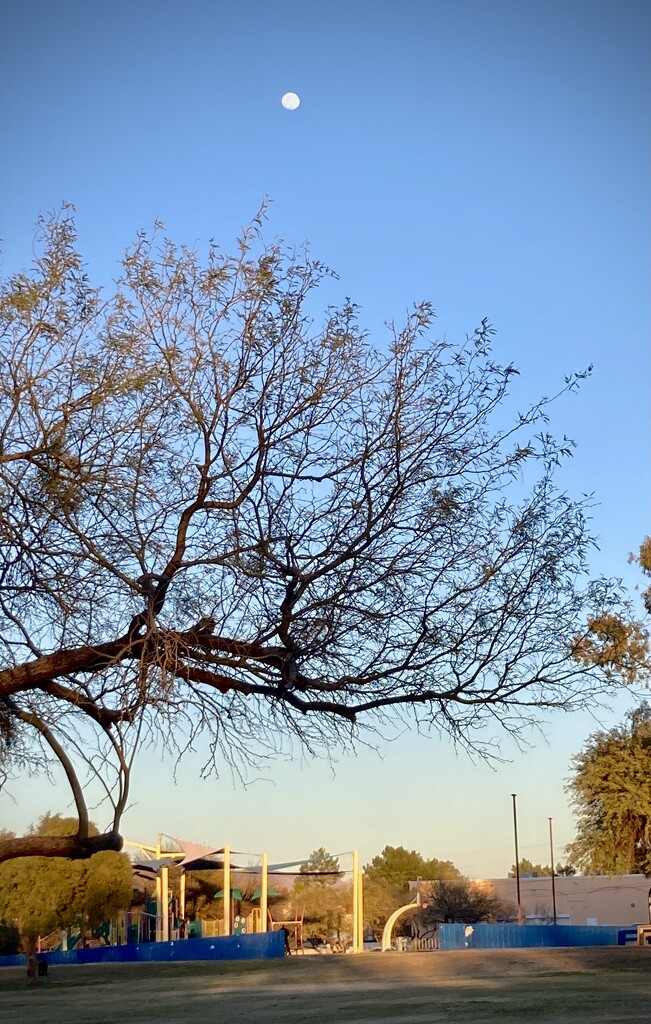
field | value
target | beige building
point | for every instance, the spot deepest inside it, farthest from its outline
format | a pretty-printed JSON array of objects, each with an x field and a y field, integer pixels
[{"x": 580, "y": 899}]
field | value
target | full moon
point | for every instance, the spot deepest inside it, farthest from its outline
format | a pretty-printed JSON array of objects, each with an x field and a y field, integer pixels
[{"x": 291, "y": 101}]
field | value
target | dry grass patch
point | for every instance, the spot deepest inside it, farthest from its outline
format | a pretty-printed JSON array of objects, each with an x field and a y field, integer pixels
[{"x": 549, "y": 986}]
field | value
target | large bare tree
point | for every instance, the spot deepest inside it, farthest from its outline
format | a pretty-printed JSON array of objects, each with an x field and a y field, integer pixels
[{"x": 220, "y": 513}]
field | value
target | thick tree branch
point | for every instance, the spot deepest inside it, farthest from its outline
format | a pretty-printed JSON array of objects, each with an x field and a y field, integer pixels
[{"x": 59, "y": 846}]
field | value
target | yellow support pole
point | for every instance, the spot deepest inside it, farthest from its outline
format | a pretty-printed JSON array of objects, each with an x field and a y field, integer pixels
[
  {"x": 227, "y": 890},
  {"x": 165, "y": 896},
  {"x": 159, "y": 911},
  {"x": 182, "y": 895},
  {"x": 159, "y": 895},
  {"x": 140, "y": 846},
  {"x": 264, "y": 893},
  {"x": 360, "y": 911},
  {"x": 355, "y": 901}
]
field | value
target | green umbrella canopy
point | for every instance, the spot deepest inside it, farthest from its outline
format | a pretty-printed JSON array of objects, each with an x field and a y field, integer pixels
[
  {"x": 235, "y": 893},
  {"x": 270, "y": 892}
]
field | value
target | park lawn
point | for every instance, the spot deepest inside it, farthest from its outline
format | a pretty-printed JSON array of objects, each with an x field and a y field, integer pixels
[{"x": 547, "y": 986}]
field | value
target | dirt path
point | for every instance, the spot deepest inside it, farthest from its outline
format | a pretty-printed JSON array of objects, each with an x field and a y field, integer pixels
[{"x": 549, "y": 986}]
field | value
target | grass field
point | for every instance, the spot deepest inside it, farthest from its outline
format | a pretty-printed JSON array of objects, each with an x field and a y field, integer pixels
[{"x": 547, "y": 986}]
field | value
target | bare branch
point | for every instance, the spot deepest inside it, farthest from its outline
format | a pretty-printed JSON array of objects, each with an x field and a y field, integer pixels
[{"x": 220, "y": 516}]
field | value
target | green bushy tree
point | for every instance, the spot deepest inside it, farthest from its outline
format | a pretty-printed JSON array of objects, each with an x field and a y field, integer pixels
[
  {"x": 396, "y": 867},
  {"x": 387, "y": 877},
  {"x": 41, "y": 894},
  {"x": 610, "y": 789},
  {"x": 527, "y": 867}
]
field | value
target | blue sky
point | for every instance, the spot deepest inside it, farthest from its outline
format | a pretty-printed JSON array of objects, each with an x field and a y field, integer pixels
[{"x": 490, "y": 156}]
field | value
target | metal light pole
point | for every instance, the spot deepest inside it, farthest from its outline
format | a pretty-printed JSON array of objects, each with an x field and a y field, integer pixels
[
  {"x": 551, "y": 857},
  {"x": 517, "y": 855}
]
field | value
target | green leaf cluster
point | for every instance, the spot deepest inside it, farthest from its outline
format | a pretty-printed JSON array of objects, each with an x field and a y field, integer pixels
[
  {"x": 319, "y": 861},
  {"x": 395, "y": 867},
  {"x": 387, "y": 877},
  {"x": 527, "y": 867},
  {"x": 611, "y": 792},
  {"x": 619, "y": 645},
  {"x": 41, "y": 894}
]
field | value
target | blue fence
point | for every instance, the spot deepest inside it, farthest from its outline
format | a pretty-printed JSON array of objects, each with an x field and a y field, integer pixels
[
  {"x": 230, "y": 947},
  {"x": 513, "y": 936},
  {"x": 272, "y": 944}
]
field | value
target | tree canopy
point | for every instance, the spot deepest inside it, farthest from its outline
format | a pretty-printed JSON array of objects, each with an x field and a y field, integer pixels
[
  {"x": 222, "y": 515},
  {"x": 527, "y": 867},
  {"x": 387, "y": 877},
  {"x": 396, "y": 867},
  {"x": 41, "y": 894},
  {"x": 610, "y": 788},
  {"x": 461, "y": 900},
  {"x": 320, "y": 896},
  {"x": 620, "y": 644},
  {"x": 643, "y": 559},
  {"x": 322, "y": 866}
]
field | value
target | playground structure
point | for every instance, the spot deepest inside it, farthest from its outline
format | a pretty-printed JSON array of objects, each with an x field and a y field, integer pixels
[
  {"x": 160, "y": 926},
  {"x": 245, "y": 930}
]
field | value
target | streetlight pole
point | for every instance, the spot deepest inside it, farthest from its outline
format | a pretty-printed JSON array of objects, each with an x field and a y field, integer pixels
[
  {"x": 517, "y": 855},
  {"x": 551, "y": 858}
]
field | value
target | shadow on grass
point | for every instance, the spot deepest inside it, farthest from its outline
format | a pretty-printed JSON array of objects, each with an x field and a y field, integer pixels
[{"x": 473, "y": 987}]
